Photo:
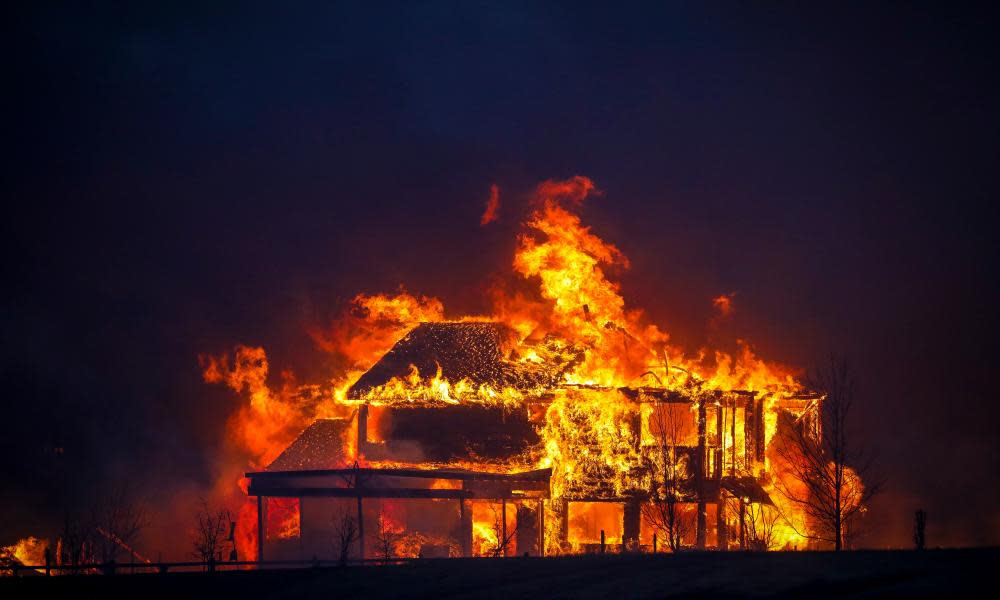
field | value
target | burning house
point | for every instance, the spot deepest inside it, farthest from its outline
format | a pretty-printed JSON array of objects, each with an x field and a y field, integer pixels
[
  {"x": 463, "y": 446},
  {"x": 560, "y": 422}
]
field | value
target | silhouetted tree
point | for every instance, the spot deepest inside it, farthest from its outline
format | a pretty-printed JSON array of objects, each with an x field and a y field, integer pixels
[
  {"x": 826, "y": 467},
  {"x": 664, "y": 512},
  {"x": 211, "y": 532},
  {"x": 76, "y": 541},
  {"x": 759, "y": 521},
  {"x": 503, "y": 537},
  {"x": 919, "y": 524},
  {"x": 386, "y": 535},
  {"x": 118, "y": 520},
  {"x": 345, "y": 533}
]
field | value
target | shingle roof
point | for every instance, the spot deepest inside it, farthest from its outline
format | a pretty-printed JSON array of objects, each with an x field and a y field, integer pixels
[
  {"x": 472, "y": 351},
  {"x": 320, "y": 446}
]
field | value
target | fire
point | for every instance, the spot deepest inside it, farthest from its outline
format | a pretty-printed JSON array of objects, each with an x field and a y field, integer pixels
[
  {"x": 420, "y": 390},
  {"x": 492, "y": 206},
  {"x": 27, "y": 551},
  {"x": 598, "y": 354}
]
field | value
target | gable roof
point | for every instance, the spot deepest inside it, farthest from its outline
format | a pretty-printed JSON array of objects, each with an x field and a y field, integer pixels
[{"x": 472, "y": 351}]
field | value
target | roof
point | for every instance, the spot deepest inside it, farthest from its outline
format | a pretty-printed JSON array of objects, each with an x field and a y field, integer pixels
[
  {"x": 320, "y": 446},
  {"x": 472, "y": 351}
]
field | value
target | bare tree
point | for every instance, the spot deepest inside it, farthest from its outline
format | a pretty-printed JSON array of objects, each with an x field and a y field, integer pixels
[
  {"x": 76, "y": 541},
  {"x": 387, "y": 536},
  {"x": 824, "y": 467},
  {"x": 118, "y": 520},
  {"x": 759, "y": 521},
  {"x": 664, "y": 511},
  {"x": 503, "y": 536},
  {"x": 212, "y": 529},
  {"x": 345, "y": 533}
]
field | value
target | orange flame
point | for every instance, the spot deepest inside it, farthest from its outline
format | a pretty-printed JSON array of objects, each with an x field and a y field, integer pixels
[{"x": 588, "y": 424}]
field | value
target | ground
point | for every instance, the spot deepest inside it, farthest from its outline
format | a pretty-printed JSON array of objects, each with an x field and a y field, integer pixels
[{"x": 868, "y": 574}]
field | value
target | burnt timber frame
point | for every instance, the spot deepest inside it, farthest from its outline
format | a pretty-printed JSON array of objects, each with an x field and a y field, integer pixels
[
  {"x": 717, "y": 472},
  {"x": 711, "y": 484},
  {"x": 475, "y": 485}
]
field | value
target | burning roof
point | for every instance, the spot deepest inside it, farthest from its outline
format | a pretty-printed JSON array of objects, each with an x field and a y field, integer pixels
[
  {"x": 466, "y": 351},
  {"x": 320, "y": 446}
]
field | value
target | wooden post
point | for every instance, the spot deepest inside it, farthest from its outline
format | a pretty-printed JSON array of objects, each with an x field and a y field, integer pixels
[
  {"x": 631, "y": 523},
  {"x": 563, "y": 523},
  {"x": 759, "y": 430},
  {"x": 260, "y": 529},
  {"x": 636, "y": 422},
  {"x": 721, "y": 528},
  {"x": 602, "y": 541},
  {"x": 503, "y": 525},
  {"x": 702, "y": 524},
  {"x": 465, "y": 527},
  {"x": 361, "y": 529},
  {"x": 732, "y": 427},
  {"x": 362, "y": 431},
  {"x": 361, "y": 514},
  {"x": 720, "y": 423},
  {"x": 541, "y": 528},
  {"x": 654, "y": 542},
  {"x": 743, "y": 525}
]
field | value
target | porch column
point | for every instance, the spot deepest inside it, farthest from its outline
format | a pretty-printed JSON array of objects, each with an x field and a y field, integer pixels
[
  {"x": 722, "y": 528},
  {"x": 260, "y": 529},
  {"x": 465, "y": 527},
  {"x": 631, "y": 523},
  {"x": 503, "y": 526},
  {"x": 541, "y": 528},
  {"x": 361, "y": 529}
]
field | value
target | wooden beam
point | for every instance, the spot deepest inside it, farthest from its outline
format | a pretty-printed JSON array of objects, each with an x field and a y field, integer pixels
[
  {"x": 701, "y": 524},
  {"x": 303, "y": 492},
  {"x": 527, "y": 476}
]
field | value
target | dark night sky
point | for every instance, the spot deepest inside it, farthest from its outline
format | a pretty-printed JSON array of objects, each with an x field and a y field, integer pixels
[{"x": 183, "y": 179}]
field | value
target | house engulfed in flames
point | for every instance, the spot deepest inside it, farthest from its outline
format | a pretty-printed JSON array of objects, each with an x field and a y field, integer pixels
[
  {"x": 512, "y": 459},
  {"x": 559, "y": 423}
]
